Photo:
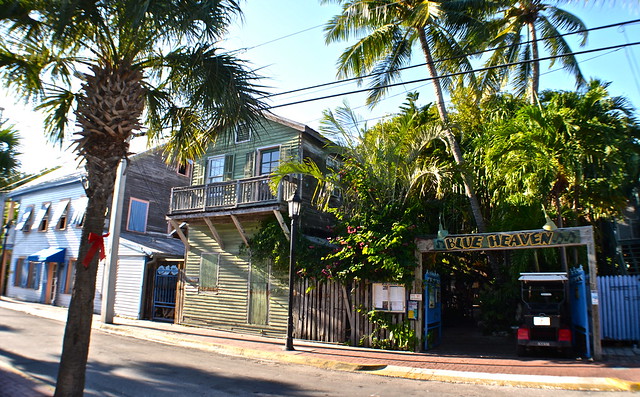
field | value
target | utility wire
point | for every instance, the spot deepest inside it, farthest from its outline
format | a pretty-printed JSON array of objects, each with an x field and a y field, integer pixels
[
  {"x": 449, "y": 59},
  {"x": 459, "y": 73}
]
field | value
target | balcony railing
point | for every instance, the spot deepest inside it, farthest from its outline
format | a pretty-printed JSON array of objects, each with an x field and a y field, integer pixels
[{"x": 226, "y": 195}]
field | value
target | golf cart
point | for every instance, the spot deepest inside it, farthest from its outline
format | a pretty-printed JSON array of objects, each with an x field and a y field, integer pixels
[{"x": 546, "y": 319}]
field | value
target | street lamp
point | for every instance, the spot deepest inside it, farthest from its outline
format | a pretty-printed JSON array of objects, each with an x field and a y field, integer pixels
[{"x": 294, "y": 212}]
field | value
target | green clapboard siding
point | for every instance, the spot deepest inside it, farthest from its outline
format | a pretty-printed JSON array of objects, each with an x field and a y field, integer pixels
[
  {"x": 229, "y": 306},
  {"x": 269, "y": 134}
]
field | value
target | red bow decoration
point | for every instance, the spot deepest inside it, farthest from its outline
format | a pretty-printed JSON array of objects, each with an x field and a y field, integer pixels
[{"x": 97, "y": 246}]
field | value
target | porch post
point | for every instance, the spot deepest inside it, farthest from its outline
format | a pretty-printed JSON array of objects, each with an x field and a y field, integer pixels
[{"x": 587, "y": 233}]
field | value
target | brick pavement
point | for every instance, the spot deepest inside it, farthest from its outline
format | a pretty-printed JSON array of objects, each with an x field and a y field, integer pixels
[{"x": 619, "y": 370}]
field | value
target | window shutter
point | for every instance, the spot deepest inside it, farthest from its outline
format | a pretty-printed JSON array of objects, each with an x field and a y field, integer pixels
[
  {"x": 288, "y": 153},
  {"x": 249, "y": 165},
  {"x": 228, "y": 167},
  {"x": 198, "y": 173}
]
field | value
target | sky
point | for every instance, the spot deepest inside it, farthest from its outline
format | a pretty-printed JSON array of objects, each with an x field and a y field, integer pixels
[{"x": 284, "y": 40}]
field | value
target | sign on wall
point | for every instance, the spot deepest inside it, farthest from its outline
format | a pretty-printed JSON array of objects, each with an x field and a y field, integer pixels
[
  {"x": 389, "y": 297},
  {"x": 504, "y": 240}
]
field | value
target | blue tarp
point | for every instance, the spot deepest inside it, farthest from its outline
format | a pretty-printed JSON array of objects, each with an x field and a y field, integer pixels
[{"x": 48, "y": 255}]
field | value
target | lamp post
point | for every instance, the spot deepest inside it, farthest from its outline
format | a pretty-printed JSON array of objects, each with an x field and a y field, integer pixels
[{"x": 294, "y": 213}]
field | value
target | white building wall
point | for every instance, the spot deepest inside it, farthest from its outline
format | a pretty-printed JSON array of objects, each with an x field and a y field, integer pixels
[
  {"x": 129, "y": 286},
  {"x": 26, "y": 243}
]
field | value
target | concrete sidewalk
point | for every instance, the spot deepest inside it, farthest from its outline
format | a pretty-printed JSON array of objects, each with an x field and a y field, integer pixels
[{"x": 618, "y": 371}]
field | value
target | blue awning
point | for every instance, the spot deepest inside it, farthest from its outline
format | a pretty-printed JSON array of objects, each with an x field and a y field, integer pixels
[{"x": 48, "y": 255}]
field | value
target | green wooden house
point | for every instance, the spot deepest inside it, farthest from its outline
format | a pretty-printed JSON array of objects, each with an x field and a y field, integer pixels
[{"x": 221, "y": 210}]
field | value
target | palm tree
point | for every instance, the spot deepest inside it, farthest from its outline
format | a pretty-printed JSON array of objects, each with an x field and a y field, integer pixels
[
  {"x": 388, "y": 31},
  {"x": 519, "y": 25},
  {"x": 577, "y": 151},
  {"x": 9, "y": 142},
  {"x": 151, "y": 63}
]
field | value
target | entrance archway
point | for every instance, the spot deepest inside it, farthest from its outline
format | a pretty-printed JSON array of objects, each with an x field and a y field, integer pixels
[{"x": 527, "y": 239}]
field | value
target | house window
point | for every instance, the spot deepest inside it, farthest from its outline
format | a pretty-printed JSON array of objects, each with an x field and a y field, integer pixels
[
  {"x": 42, "y": 218},
  {"x": 209, "y": 271},
  {"x": 138, "y": 211},
  {"x": 25, "y": 221},
  {"x": 33, "y": 281},
  {"x": 184, "y": 168},
  {"x": 215, "y": 169},
  {"x": 61, "y": 215},
  {"x": 243, "y": 133},
  {"x": 79, "y": 207},
  {"x": 67, "y": 277},
  {"x": 269, "y": 160},
  {"x": 27, "y": 274},
  {"x": 20, "y": 273}
]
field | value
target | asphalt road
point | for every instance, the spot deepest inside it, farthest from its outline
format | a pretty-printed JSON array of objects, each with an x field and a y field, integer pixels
[{"x": 121, "y": 366}]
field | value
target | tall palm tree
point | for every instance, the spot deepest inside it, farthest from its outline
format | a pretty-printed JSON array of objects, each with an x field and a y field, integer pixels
[
  {"x": 152, "y": 64},
  {"x": 387, "y": 31},
  {"x": 521, "y": 26}
]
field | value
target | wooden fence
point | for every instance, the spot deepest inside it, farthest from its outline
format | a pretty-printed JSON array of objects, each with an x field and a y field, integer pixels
[{"x": 322, "y": 311}]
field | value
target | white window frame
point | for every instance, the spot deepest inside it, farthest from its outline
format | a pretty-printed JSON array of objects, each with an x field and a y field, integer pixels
[{"x": 217, "y": 177}]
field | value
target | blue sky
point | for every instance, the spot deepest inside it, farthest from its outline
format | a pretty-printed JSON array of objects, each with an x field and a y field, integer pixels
[{"x": 284, "y": 39}]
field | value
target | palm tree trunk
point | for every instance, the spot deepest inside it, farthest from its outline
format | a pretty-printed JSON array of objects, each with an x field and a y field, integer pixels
[
  {"x": 107, "y": 114},
  {"x": 75, "y": 348},
  {"x": 451, "y": 139},
  {"x": 535, "y": 65}
]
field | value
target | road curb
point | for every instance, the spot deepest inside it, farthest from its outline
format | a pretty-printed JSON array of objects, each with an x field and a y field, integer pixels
[
  {"x": 448, "y": 376},
  {"x": 529, "y": 381}
]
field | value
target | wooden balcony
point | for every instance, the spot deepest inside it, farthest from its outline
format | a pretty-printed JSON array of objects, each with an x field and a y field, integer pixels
[{"x": 223, "y": 196}]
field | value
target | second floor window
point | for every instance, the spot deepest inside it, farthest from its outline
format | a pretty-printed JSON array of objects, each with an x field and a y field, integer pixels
[
  {"x": 215, "y": 169},
  {"x": 243, "y": 133},
  {"x": 26, "y": 219},
  {"x": 61, "y": 215},
  {"x": 42, "y": 218},
  {"x": 269, "y": 160},
  {"x": 138, "y": 211}
]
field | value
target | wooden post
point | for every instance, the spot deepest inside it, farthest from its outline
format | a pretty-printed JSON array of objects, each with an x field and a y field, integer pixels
[{"x": 587, "y": 234}]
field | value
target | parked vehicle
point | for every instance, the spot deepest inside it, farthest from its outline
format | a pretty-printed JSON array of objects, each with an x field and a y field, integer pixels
[{"x": 546, "y": 319}]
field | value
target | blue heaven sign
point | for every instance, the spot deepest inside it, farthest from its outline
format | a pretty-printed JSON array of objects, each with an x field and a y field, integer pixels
[{"x": 504, "y": 240}]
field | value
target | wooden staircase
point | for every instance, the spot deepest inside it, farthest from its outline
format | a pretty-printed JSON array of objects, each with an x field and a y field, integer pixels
[{"x": 630, "y": 253}]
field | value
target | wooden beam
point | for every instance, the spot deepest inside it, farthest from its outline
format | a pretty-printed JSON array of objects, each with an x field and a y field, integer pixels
[
  {"x": 240, "y": 229},
  {"x": 214, "y": 232},
  {"x": 283, "y": 225},
  {"x": 176, "y": 226}
]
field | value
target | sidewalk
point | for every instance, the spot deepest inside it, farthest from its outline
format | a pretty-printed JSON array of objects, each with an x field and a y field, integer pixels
[{"x": 618, "y": 371}]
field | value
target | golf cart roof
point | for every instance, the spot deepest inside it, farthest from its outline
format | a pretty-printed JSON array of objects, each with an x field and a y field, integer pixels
[{"x": 543, "y": 277}]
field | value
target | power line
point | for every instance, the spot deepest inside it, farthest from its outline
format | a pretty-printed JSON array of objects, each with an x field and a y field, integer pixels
[
  {"x": 459, "y": 73},
  {"x": 451, "y": 58}
]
